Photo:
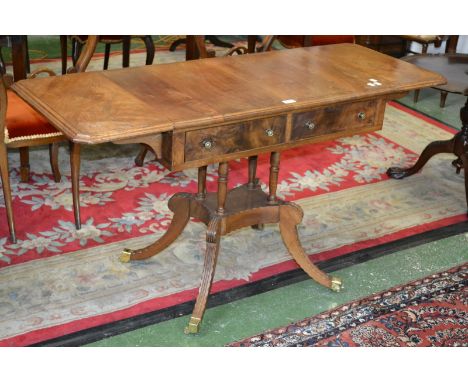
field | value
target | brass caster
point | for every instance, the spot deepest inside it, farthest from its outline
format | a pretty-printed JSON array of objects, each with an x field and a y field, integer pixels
[
  {"x": 193, "y": 326},
  {"x": 126, "y": 255},
  {"x": 336, "y": 284}
]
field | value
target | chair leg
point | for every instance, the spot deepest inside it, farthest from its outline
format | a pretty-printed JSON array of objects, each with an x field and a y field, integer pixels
[
  {"x": 140, "y": 158},
  {"x": 149, "y": 44},
  {"x": 443, "y": 98},
  {"x": 416, "y": 96},
  {"x": 24, "y": 163},
  {"x": 53, "y": 156},
  {"x": 64, "y": 52},
  {"x": 76, "y": 50},
  {"x": 126, "y": 42},
  {"x": 106, "y": 56},
  {"x": 7, "y": 191},
  {"x": 75, "y": 161}
]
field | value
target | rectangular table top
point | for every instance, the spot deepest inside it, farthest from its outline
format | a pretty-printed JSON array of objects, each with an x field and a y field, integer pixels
[{"x": 112, "y": 105}]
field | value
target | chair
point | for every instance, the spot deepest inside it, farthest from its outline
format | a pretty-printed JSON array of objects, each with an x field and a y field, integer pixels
[
  {"x": 78, "y": 42},
  {"x": 22, "y": 127},
  {"x": 425, "y": 41},
  {"x": 203, "y": 52}
]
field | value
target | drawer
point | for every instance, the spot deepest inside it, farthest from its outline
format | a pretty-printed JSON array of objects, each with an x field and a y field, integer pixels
[
  {"x": 227, "y": 139},
  {"x": 334, "y": 119}
]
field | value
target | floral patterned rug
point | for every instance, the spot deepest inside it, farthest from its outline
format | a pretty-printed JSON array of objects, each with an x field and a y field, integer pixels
[
  {"x": 58, "y": 280},
  {"x": 432, "y": 311}
]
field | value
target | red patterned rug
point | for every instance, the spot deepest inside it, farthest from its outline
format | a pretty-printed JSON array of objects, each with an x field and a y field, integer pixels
[
  {"x": 432, "y": 311},
  {"x": 58, "y": 280}
]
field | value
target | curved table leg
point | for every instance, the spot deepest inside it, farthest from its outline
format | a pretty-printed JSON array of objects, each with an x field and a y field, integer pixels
[
  {"x": 140, "y": 158},
  {"x": 181, "y": 208},
  {"x": 149, "y": 44},
  {"x": 431, "y": 149},
  {"x": 211, "y": 256},
  {"x": 290, "y": 217}
]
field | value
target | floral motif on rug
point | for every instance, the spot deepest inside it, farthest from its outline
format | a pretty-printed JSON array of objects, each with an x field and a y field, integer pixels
[
  {"x": 120, "y": 200},
  {"x": 432, "y": 311}
]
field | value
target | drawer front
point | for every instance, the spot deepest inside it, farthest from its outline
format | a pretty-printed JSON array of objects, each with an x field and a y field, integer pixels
[
  {"x": 213, "y": 141},
  {"x": 330, "y": 120}
]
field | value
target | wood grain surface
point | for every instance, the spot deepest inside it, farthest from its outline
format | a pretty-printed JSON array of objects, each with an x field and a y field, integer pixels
[{"x": 128, "y": 103}]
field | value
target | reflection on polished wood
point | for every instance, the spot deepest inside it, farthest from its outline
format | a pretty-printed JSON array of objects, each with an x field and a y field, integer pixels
[{"x": 197, "y": 113}]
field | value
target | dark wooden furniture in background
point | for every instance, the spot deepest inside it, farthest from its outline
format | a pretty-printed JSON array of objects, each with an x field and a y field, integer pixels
[
  {"x": 296, "y": 41},
  {"x": 394, "y": 46},
  {"x": 78, "y": 42},
  {"x": 19, "y": 55},
  {"x": 423, "y": 40},
  {"x": 201, "y": 112},
  {"x": 454, "y": 67},
  {"x": 433, "y": 64},
  {"x": 21, "y": 127},
  {"x": 190, "y": 55}
]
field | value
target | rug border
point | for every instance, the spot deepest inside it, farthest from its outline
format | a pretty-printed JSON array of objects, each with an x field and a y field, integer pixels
[
  {"x": 284, "y": 277},
  {"x": 90, "y": 335},
  {"x": 338, "y": 309}
]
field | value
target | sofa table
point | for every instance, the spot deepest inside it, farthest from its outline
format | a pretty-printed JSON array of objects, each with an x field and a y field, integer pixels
[{"x": 196, "y": 113}]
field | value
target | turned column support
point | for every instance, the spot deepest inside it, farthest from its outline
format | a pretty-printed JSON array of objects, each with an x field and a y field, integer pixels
[
  {"x": 201, "y": 194},
  {"x": 222, "y": 187},
  {"x": 252, "y": 182},
  {"x": 274, "y": 170}
]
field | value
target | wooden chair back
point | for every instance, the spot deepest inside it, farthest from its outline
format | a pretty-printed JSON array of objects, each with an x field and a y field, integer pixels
[{"x": 206, "y": 53}]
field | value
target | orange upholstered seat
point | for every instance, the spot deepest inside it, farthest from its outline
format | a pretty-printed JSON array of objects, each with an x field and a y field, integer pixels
[{"x": 23, "y": 122}]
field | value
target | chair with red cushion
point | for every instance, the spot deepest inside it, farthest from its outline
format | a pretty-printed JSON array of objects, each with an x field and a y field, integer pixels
[{"x": 22, "y": 127}]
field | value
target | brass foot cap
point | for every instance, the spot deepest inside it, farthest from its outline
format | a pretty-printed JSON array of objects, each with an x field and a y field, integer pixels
[
  {"x": 193, "y": 326},
  {"x": 336, "y": 284},
  {"x": 126, "y": 255}
]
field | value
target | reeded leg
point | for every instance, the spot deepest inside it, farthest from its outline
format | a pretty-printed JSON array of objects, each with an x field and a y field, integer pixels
[
  {"x": 75, "y": 163},
  {"x": 24, "y": 163},
  {"x": 290, "y": 217},
  {"x": 181, "y": 209},
  {"x": 213, "y": 237},
  {"x": 53, "y": 156},
  {"x": 211, "y": 255},
  {"x": 431, "y": 149},
  {"x": 7, "y": 191}
]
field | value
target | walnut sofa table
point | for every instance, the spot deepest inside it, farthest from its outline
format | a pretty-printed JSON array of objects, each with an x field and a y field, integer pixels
[{"x": 195, "y": 113}]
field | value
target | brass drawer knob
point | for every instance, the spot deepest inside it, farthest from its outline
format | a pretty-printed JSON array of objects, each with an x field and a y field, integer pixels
[
  {"x": 269, "y": 132},
  {"x": 362, "y": 116},
  {"x": 310, "y": 125},
  {"x": 207, "y": 144}
]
